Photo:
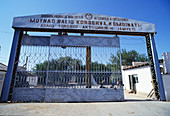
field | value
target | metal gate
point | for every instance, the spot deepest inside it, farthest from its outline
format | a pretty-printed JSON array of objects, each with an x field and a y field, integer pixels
[
  {"x": 67, "y": 62},
  {"x": 55, "y": 68}
]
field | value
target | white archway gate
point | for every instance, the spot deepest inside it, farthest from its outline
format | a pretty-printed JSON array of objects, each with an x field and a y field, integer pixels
[{"x": 63, "y": 68}]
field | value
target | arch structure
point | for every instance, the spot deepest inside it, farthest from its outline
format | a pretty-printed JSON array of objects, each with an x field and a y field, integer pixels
[{"x": 67, "y": 68}]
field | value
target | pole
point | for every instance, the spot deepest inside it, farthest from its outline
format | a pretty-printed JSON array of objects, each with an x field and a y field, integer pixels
[
  {"x": 11, "y": 70},
  {"x": 157, "y": 68},
  {"x": 88, "y": 66}
]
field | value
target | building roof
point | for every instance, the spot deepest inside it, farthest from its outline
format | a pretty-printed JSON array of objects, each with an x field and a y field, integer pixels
[
  {"x": 136, "y": 66},
  {"x": 3, "y": 67},
  {"x": 139, "y": 65}
]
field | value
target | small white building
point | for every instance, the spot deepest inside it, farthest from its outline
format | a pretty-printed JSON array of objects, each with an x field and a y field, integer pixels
[{"x": 137, "y": 78}]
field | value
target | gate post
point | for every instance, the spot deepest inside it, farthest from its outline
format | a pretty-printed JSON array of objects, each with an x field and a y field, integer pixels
[
  {"x": 88, "y": 67},
  {"x": 155, "y": 68},
  {"x": 11, "y": 64}
]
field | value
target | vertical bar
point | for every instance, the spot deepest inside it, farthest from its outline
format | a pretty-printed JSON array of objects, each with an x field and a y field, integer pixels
[
  {"x": 152, "y": 65},
  {"x": 152, "y": 68},
  {"x": 157, "y": 68},
  {"x": 11, "y": 65},
  {"x": 120, "y": 73},
  {"x": 88, "y": 67},
  {"x": 48, "y": 66}
]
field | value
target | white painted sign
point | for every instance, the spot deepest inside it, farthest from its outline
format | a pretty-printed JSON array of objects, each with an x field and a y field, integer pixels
[{"x": 83, "y": 21}]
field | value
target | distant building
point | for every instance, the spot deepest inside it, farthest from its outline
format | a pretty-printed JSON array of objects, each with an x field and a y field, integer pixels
[
  {"x": 29, "y": 79},
  {"x": 3, "y": 70}
]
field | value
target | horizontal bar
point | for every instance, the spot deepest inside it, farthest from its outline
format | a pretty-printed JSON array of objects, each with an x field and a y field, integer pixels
[
  {"x": 78, "y": 41},
  {"x": 35, "y": 40},
  {"x": 95, "y": 72},
  {"x": 86, "y": 31},
  {"x": 84, "y": 41}
]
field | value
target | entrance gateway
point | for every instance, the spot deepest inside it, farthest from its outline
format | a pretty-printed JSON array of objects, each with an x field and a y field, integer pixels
[{"x": 67, "y": 68}]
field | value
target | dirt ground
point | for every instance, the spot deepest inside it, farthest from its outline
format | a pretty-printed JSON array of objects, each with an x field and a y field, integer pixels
[{"x": 135, "y": 105}]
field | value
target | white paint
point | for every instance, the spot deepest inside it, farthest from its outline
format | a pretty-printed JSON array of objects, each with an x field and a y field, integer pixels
[
  {"x": 166, "y": 81},
  {"x": 144, "y": 78},
  {"x": 83, "y": 21}
]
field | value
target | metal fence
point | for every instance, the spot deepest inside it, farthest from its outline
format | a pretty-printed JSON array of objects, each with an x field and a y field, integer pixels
[{"x": 68, "y": 67}]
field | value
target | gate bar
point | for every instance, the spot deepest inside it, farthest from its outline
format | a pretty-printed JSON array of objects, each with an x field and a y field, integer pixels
[
  {"x": 8, "y": 78},
  {"x": 88, "y": 66},
  {"x": 157, "y": 68},
  {"x": 152, "y": 67}
]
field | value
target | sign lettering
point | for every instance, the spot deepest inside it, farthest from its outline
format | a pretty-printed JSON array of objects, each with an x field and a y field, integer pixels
[{"x": 83, "y": 21}]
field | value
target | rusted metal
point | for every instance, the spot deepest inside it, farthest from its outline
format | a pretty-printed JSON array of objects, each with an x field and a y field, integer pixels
[
  {"x": 88, "y": 67},
  {"x": 152, "y": 68}
]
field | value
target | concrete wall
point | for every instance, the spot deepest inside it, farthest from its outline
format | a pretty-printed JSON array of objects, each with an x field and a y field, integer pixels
[
  {"x": 144, "y": 78},
  {"x": 166, "y": 81},
  {"x": 28, "y": 94},
  {"x": 2, "y": 78},
  {"x": 67, "y": 94}
]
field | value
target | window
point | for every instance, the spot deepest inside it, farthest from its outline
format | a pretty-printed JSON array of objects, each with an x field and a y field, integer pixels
[{"x": 135, "y": 76}]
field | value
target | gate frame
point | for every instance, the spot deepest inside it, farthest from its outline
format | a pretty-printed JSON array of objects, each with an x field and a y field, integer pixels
[{"x": 16, "y": 45}]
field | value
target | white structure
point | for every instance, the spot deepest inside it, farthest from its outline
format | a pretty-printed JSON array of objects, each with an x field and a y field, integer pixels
[
  {"x": 3, "y": 69},
  {"x": 32, "y": 80},
  {"x": 137, "y": 78},
  {"x": 166, "y": 75},
  {"x": 166, "y": 81},
  {"x": 166, "y": 62}
]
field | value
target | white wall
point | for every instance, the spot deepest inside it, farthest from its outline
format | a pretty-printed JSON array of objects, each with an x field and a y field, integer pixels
[
  {"x": 166, "y": 62},
  {"x": 166, "y": 81},
  {"x": 144, "y": 78},
  {"x": 2, "y": 77}
]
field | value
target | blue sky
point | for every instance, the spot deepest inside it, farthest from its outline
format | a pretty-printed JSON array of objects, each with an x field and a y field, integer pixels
[{"x": 152, "y": 11}]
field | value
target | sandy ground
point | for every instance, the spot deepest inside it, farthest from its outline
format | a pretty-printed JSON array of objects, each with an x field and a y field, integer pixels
[{"x": 134, "y": 105}]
